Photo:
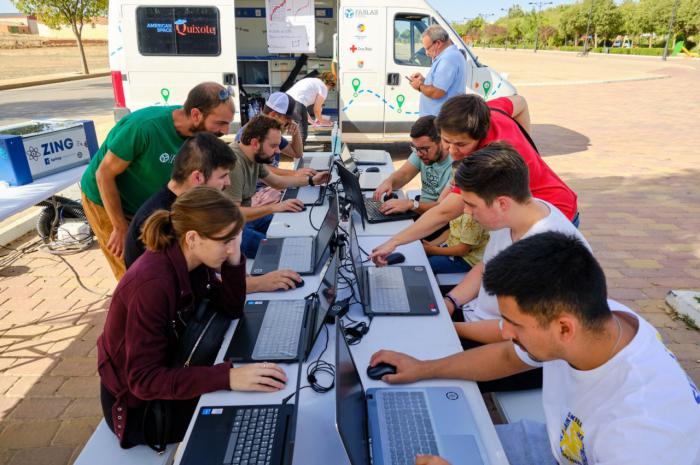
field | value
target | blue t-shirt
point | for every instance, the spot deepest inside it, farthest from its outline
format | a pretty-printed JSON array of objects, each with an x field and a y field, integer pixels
[
  {"x": 449, "y": 73},
  {"x": 433, "y": 177}
]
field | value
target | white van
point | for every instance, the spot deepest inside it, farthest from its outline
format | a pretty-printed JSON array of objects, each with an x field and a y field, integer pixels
[{"x": 159, "y": 50}]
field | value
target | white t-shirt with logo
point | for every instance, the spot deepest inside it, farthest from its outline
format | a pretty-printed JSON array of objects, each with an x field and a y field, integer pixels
[
  {"x": 306, "y": 91},
  {"x": 638, "y": 408},
  {"x": 486, "y": 306}
]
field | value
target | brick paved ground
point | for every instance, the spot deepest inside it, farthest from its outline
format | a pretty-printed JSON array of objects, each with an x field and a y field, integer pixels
[{"x": 629, "y": 149}]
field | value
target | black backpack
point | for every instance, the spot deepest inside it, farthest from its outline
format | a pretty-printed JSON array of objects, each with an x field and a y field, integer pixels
[{"x": 203, "y": 335}]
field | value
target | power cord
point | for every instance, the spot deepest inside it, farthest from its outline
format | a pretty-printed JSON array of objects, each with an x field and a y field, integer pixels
[{"x": 317, "y": 367}]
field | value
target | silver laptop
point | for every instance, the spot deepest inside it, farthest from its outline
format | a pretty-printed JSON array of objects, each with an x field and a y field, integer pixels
[
  {"x": 368, "y": 181},
  {"x": 369, "y": 157},
  {"x": 389, "y": 426},
  {"x": 396, "y": 290}
]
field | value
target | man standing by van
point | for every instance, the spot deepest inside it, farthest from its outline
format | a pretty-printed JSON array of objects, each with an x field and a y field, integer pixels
[
  {"x": 448, "y": 73},
  {"x": 136, "y": 160}
]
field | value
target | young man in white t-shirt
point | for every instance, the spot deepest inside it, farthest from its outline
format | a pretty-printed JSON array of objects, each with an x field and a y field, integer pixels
[
  {"x": 495, "y": 188},
  {"x": 612, "y": 393}
]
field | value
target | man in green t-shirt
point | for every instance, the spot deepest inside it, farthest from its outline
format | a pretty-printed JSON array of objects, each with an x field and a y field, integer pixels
[
  {"x": 429, "y": 159},
  {"x": 260, "y": 142},
  {"x": 136, "y": 160}
]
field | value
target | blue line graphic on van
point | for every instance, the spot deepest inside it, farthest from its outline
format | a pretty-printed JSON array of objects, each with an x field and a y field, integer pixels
[{"x": 380, "y": 97}]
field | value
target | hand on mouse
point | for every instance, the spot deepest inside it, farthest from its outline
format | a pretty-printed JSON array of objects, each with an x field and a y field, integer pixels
[
  {"x": 379, "y": 253},
  {"x": 408, "y": 369},
  {"x": 322, "y": 177},
  {"x": 265, "y": 377},
  {"x": 291, "y": 205},
  {"x": 384, "y": 188},
  {"x": 393, "y": 206},
  {"x": 273, "y": 281}
]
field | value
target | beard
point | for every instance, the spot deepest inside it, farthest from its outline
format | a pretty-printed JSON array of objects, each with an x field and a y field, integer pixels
[
  {"x": 260, "y": 157},
  {"x": 438, "y": 156},
  {"x": 517, "y": 343},
  {"x": 202, "y": 128}
]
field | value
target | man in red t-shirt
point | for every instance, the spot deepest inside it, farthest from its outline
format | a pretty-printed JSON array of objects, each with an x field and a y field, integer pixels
[{"x": 466, "y": 123}]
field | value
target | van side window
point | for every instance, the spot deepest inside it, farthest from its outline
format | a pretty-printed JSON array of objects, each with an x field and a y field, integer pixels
[
  {"x": 178, "y": 31},
  {"x": 408, "y": 48}
]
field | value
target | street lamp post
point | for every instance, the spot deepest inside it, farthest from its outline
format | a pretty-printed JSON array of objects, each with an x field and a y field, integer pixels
[
  {"x": 505, "y": 41},
  {"x": 537, "y": 25},
  {"x": 670, "y": 29},
  {"x": 588, "y": 28}
]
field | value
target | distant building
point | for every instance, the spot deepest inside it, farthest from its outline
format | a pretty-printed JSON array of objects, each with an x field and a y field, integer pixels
[{"x": 18, "y": 23}]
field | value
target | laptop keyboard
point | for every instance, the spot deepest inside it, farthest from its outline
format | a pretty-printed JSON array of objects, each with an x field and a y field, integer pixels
[
  {"x": 372, "y": 207},
  {"x": 252, "y": 436},
  {"x": 387, "y": 292},
  {"x": 408, "y": 426},
  {"x": 296, "y": 253},
  {"x": 279, "y": 334}
]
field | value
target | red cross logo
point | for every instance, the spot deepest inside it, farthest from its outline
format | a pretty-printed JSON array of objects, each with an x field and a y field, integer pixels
[{"x": 353, "y": 49}]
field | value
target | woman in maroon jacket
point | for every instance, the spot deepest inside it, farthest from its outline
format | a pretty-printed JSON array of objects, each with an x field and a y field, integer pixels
[{"x": 152, "y": 303}]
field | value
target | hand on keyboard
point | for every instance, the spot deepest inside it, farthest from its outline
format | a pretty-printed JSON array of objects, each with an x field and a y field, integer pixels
[
  {"x": 408, "y": 369},
  {"x": 395, "y": 206},
  {"x": 430, "y": 460},
  {"x": 305, "y": 172},
  {"x": 265, "y": 377}
]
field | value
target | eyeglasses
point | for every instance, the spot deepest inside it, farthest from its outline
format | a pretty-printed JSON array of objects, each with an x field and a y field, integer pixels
[
  {"x": 423, "y": 150},
  {"x": 225, "y": 93},
  {"x": 431, "y": 45}
]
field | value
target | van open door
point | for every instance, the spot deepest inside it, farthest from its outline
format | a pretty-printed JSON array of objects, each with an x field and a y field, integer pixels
[
  {"x": 157, "y": 37},
  {"x": 405, "y": 29},
  {"x": 362, "y": 71}
]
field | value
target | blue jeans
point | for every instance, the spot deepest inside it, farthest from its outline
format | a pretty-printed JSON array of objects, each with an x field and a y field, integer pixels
[
  {"x": 445, "y": 264},
  {"x": 577, "y": 220},
  {"x": 253, "y": 232}
]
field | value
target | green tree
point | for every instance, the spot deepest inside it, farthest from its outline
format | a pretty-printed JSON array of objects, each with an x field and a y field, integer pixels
[
  {"x": 688, "y": 18},
  {"x": 607, "y": 19},
  {"x": 72, "y": 13},
  {"x": 572, "y": 22}
]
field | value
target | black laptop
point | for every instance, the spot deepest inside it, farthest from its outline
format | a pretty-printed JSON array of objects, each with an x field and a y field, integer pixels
[
  {"x": 233, "y": 435},
  {"x": 367, "y": 207},
  {"x": 302, "y": 254},
  {"x": 392, "y": 290},
  {"x": 276, "y": 330},
  {"x": 310, "y": 195}
]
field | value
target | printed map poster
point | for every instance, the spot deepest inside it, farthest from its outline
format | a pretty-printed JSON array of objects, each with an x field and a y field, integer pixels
[{"x": 290, "y": 26}]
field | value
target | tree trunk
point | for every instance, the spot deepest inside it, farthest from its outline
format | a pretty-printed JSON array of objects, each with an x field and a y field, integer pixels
[{"x": 79, "y": 39}]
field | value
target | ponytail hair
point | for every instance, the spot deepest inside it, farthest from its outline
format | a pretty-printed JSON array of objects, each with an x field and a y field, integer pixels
[{"x": 202, "y": 209}]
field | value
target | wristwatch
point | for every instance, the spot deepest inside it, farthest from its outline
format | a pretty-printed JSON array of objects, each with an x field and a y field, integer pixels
[
  {"x": 416, "y": 204},
  {"x": 311, "y": 180}
]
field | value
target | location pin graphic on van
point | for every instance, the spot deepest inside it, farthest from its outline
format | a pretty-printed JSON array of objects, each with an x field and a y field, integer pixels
[
  {"x": 165, "y": 93},
  {"x": 399, "y": 100},
  {"x": 487, "y": 88},
  {"x": 355, "y": 86}
]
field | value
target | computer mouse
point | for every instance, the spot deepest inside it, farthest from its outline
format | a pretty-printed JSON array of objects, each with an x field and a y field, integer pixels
[
  {"x": 389, "y": 196},
  {"x": 395, "y": 258},
  {"x": 298, "y": 284},
  {"x": 303, "y": 209},
  {"x": 372, "y": 169},
  {"x": 379, "y": 370}
]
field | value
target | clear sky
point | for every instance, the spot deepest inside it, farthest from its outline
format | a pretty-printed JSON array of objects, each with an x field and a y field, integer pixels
[{"x": 452, "y": 10}]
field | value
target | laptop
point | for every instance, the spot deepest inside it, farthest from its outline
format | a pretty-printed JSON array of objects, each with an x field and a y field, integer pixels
[
  {"x": 369, "y": 157},
  {"x": 310, "y": 195},
  {"x": 389, "y": 426},
  {"x": 302, "y": 253},
  {"x": 227, "y": 434},
  {"x": 283, "y": 330},
  {"x": 367, "y": 207},
  {"x": 368, "y": 181},
  {"x": 322, "y": 162},
  {"x": 396, "y": 290}
]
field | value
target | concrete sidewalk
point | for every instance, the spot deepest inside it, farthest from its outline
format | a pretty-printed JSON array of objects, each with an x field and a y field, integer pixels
[
  {"x": 7, "y": 84},
  {"x": 629, "y": 149}
]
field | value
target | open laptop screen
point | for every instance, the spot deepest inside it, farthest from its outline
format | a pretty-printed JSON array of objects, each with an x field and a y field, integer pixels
[
  {"x": 347, "y": 160},
  {"x": 326, "y": 294},
  {"x": 356, "y": 258},
  {"x": 328, "y": 227},
  {"x": 350, "y": 404}
]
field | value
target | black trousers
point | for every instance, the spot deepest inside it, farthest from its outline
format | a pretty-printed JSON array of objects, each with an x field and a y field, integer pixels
[
  {"x": 140, "y": 425},
  {"x": 531, "y": 379}
]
